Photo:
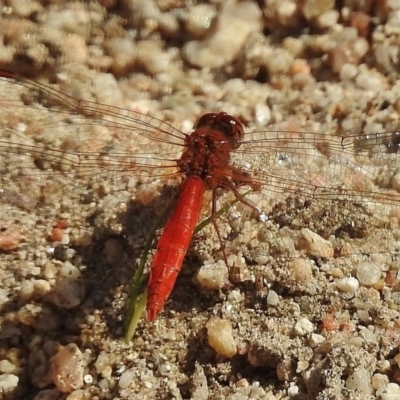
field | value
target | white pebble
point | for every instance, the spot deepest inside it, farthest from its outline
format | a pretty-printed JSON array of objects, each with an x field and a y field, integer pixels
[
  {"x": 126, "y": 378},
  {"x": 314, "y": 244},
  {"x": 220, "y": 338},
  {"x": 390, "y": 392},
  {"x": 69, "y": 270},
  {"x": 347, "y": 285},
  {"x": 315, "y": 340},
  {"x": 360, "y": 381},
  {"x": 293, "y": 391},
  {"x": 199, "y": 19},
  {"x": 272, "y": 298},
  {"x": 368, "y": 273},
  {"x": 213, "y": 276},
  {"x": 8, "y": 382},
  {"x": 164, "y": 369},
  {"x": 303, "y": 327},
  {"x": 6, "y": 367},
  {"x": 88, "y": 379}
]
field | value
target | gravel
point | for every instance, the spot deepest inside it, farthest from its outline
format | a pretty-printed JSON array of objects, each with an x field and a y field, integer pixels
[{"x": 312, "y": 309}]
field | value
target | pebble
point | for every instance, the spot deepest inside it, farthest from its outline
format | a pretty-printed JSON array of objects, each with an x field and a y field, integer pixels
[
  {"x": 152, "y": 57},
  {"x": 26, "y": 290},
  {"x": 272, "y": 298},
  {"x": 379, "y": 381},
  {"x": 6, "y": 367},
  {"x": 200, "y": 384},
  {"x": 348, "y": 285},
  {"x": 368, "y": 273},
  {"x": 67, "y": 368},
  {"x": 315, "y": 340},
  {"x": 300, "y": 270},
  {"x": 68, "y": 293},
  {"x": 213, "y": 276},
  {"x": 10, "y": 240},
  {"x": 8, "y": 382},
  {"x": 390, "y": 392},
  {"x": 220, "y": 337},
  {"x": 127, "y": 378},
  {"x": 3, "y": 297},
  {"x": 314, "y": 244},
  {"x": 360, "y": 382},
  {"x": 235, "y": 22},
  {"x": 314, "y": 8},
  {"x": 371, "y": 80},
  {"x": 293, "y": 391},
  {"x": 200, "y": 18},
  {"x": 123, "y": 55},
  {"x": 330, "y": 323},
  {"x": 303, "y": 327},
  {"x": 69, "y": 270}
]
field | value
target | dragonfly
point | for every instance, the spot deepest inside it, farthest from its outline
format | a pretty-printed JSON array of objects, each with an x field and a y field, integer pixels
[{"x": 109, "y": 142}]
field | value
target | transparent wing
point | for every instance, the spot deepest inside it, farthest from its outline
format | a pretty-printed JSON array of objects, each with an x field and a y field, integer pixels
[
  {"x": 79, "y": 136},
  {"x": 319, "y": 166}
]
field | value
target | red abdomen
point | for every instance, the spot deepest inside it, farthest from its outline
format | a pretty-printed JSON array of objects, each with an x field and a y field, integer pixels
[{"x": 173, "y": 245}]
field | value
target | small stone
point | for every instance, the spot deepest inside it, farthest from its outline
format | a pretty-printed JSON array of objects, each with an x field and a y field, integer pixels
[
  {"x": 368, "y": 273},
  {"x": 69, "y": 270},
  {"x": 68, "y": 293},
  {"x": 199, "y": 19},
  {"x": 234, "y": 24},
  {"x": 313, "y": 8},
  {"x": 213, "y": 276},
  {"x": 330, "y": 323},
  {"x": 220, "y": 338},
  {"x": 390, "y": 392},
  {"x": 6, "y": 367},
  {"x": 360, "y": 381},
  {"x": 293, "y": 391},
  {"x": 315, "y": 340},
  {"x": 314, "y": 244},
  {"x": 26, "y": 290},
  {"x": 303, "y": 327},
  {"x": 41, "y": 287},
  {"x": 10, "y": 240},
  {"x": 300, "y": 270},
  {"x": 8, "y": 382},
  {"x": 126, "y": 378},
  {"x": 67, "y": 368},
  {"x": 272, "y": 298},
  {"x": 347, "y": 285},
  {"x": 379, "y": 381}
]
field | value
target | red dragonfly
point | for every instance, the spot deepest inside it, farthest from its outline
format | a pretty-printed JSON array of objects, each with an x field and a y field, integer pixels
[{"x": 107, "y": 141}]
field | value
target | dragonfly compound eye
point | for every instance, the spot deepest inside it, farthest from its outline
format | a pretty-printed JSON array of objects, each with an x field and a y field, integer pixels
[{"x": 231, "y": 127}]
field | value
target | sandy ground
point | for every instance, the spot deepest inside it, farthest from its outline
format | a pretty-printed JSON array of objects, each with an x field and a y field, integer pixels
[{"x": 311, "y": 306}]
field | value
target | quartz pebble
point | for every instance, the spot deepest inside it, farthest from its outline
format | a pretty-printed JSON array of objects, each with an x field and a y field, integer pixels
[
  {"x": 8, "y": 382},
  {"x": 272, "y": 298},
  {"x": 213, "y": 276},
  {"x": 389, "y": 392},
  {"x": 232, "y": 29},
  {"x": 368, "y": 273},
  {"x": 347, "y": 285},
  {"x": 360, "y": 381},
  {"x": 314, "y": 244},
  {"x": 126, "y": 378},
  {"x": 303, "y": 327},
  {"x": 220, "y": 338}
]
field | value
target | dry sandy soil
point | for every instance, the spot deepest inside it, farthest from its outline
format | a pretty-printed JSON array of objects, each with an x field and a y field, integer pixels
[{"x": 309, "y": 306}]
